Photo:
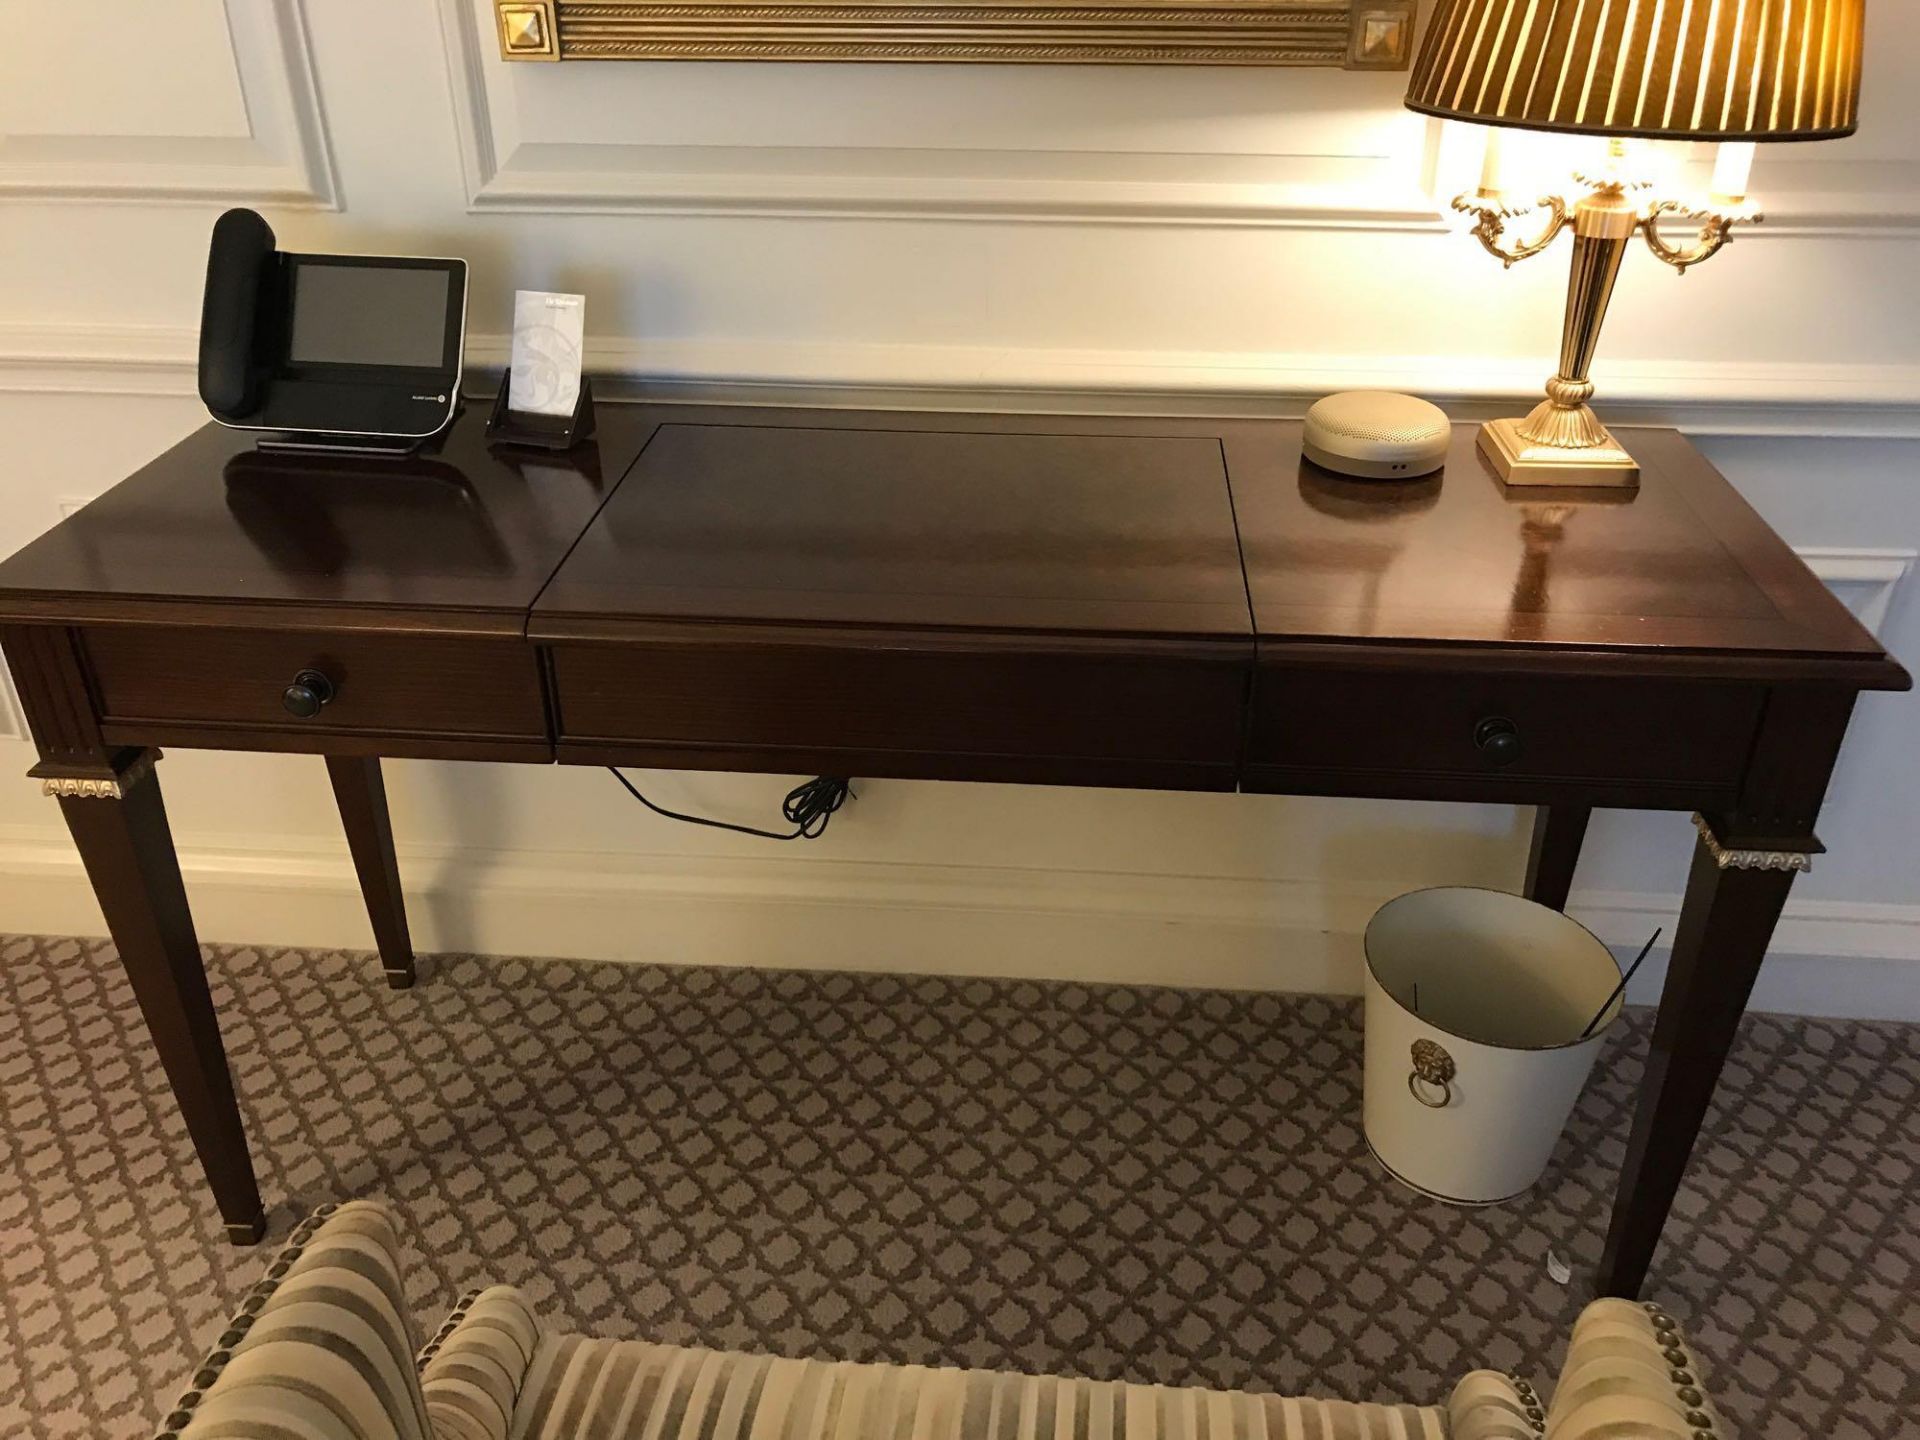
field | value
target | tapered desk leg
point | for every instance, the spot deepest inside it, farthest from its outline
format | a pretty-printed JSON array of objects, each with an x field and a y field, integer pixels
[
  {"x": 1733, "y": 901},
  {"x": 362, "y": 797},
  {"x": 110, "y": 798},
  {"x": 128, "y": 853},
  {"x": 1558, "y": 831}
]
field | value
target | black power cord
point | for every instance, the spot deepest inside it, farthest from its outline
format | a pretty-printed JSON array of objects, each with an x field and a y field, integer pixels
[{"x": 807, "y": 807}]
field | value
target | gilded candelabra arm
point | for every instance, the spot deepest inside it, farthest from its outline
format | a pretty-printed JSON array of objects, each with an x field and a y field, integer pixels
[
  {"x": 1716, "y": 229},
  {"x": 1490, "y": 224}
]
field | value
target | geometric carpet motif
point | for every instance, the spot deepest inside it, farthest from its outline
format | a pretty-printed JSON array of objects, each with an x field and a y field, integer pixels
[{"x": 1113, "y": 1181}]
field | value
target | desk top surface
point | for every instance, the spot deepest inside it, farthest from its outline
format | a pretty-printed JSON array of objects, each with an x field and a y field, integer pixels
[
  {"x": 1204, "y": 529},
  {"x": 464, "y": 539}
]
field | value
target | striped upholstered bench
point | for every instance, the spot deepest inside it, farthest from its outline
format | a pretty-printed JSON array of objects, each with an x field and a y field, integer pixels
[{"x": 322, "y": 1349}]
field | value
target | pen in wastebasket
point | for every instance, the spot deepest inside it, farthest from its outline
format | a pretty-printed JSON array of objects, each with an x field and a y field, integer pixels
[{"x": 1621, "y": 986}]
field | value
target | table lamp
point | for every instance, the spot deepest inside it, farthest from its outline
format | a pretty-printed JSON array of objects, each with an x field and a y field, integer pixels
[{"x": 1735, "y": 71}]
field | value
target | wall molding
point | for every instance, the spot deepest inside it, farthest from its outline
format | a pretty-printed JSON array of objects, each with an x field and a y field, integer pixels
[
  {"x": 92, "y": 359},
  {"x": 998, "y": 186},
  {"x": 1701, "y": 398},
  {"x": 508, "y": 171},
  {"x": 1864, "y": 577},
  {"x": 1836, "y": 199},
  {"x": 945, "y": 919},
  {"x": 286, "y": 161}
]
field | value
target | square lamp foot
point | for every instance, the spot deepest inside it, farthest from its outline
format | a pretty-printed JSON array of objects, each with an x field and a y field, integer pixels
[{"x": 1522, "y": 462}]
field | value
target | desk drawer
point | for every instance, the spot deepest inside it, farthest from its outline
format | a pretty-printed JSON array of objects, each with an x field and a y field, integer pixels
[
  {"x": 1151, "y": 715},
  {"x": 1491, "y": 728},
  {"x": 382, "y": 684}
]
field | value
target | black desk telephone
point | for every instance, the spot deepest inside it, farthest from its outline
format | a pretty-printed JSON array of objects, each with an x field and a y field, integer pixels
[{"x": 332, "y": 352}]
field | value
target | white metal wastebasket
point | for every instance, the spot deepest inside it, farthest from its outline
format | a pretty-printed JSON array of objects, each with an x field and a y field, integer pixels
[{"x": 1475, "y": 1004}]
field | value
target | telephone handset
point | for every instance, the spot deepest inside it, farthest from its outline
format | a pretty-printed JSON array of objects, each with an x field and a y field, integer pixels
[{"x": 238, "y": 263}]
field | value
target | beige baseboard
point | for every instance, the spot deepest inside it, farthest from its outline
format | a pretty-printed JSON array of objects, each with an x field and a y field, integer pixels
[
  {"x": 1831, "y": 958},
  {"x": 798, "y": 912}
]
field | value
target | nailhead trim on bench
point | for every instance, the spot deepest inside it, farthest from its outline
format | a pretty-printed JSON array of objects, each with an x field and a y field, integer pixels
[
  {"x": 459, "y": 1313},
  {"x": 1685, "y": 1387},
  {"x": 203, "y": 1379}
]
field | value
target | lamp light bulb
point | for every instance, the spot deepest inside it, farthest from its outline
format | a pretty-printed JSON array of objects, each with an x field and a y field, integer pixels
[
  {"x": 1491, "y": 164},
  {"x": 1732, "y": 165}
]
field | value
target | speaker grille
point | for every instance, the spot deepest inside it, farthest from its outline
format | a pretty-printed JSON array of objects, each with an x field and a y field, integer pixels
[{"x": 1379, "y": 416}]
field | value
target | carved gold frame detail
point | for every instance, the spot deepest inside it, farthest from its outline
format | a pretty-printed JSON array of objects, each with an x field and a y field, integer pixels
[{"x": 1351, "y": 34}]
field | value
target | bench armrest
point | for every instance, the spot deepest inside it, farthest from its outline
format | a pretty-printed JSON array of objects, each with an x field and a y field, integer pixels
[
  {"x": 1629, "y": 1374},
  {"x": 1487, "y": 1405},
  {"x": 473, "y": 1370},
  {"x": 321, "y": 1348}
]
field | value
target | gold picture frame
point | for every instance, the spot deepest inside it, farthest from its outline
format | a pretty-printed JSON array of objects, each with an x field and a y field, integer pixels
[{"x": 1349, "y": 34}]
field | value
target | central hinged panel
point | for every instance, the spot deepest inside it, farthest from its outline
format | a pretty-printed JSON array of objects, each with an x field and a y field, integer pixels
[{"x": 908, "y": 601}]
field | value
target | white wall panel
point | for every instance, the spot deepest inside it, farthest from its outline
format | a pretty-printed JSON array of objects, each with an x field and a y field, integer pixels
[
  {"x": 186, "y": 101},
  {"x": 116, "y": 70}
]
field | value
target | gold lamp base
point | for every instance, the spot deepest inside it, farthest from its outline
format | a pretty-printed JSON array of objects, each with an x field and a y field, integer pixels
[{"x": 1520, "y": 461}]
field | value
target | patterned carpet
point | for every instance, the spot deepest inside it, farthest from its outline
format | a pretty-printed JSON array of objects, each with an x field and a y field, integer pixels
[{"x": 1152, "y": 1184}]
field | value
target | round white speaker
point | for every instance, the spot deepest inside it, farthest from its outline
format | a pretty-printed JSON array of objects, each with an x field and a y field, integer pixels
[{"x": 1377, "y": 434}]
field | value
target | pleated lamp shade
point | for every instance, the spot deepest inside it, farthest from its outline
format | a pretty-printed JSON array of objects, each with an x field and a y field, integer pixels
[{"x": 1658, "y": 69}]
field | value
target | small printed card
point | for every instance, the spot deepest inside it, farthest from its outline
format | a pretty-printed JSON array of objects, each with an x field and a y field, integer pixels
[{"x": 548, "y": 331}]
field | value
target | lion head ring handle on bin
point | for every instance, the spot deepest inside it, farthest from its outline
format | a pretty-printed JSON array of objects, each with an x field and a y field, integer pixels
[{"x": 1432, "y": 1067}]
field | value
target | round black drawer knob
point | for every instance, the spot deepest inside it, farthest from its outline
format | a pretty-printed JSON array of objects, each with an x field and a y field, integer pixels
[
  {"x": 307, "y": 695},
  {"x": 1498, "y": 741}
]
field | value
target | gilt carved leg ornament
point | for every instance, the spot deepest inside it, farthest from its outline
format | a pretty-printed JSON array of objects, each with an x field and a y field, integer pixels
[
  {"x": 1797, "y": 855},
  {"x": 96, "y": 787}
]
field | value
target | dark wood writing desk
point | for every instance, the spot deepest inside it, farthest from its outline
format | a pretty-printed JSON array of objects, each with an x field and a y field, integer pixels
[{"x": 1151, "y": 603}]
